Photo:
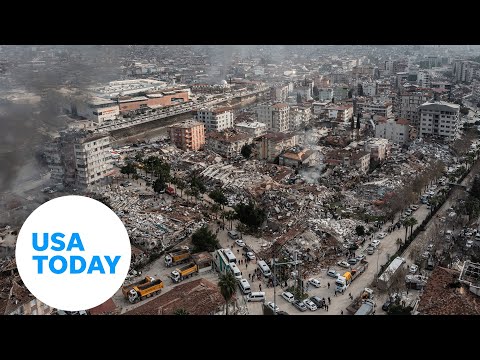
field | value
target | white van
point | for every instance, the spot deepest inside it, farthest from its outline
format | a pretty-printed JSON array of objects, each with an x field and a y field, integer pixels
[
  {"x": 244, "y": 286},
  {"x": 262, "y": 265},
  {"x": 235, "y": 271},
  {"x": 256, "y": 296}
]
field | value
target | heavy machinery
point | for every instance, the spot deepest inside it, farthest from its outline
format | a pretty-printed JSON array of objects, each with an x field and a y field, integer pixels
[
  {"x": 367, "y": 308},
  {"x": 177, "y": 256},
  {"x": 184, "y": 272},
  {"x": 142, "y": 289}
]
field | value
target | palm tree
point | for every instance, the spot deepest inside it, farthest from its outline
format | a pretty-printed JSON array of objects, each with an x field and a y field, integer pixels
[
  {"x": 399, "y": 242},
  {"x": 181, "y": 311},
  {"x": 215, "y": 209},
  {"x": 231, "y": 215},
  {"x": 181, "y": 185},
  {"x": 224, "y": 215},
  {"x": 409, "y": 222},
  {"x": 228, "y": 287}
]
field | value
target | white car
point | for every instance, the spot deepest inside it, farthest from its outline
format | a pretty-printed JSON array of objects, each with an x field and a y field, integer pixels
[
  {"x": 314, "y": 282},
  {"x": 376, "y": 243},
  {"x": 310, "y": 305},
  {"x": 250, "y": 255},
  {"x": 343, "y": 264},
  {"x": 469, "y": 244},
  {"x": 413, "y": 269},
  {"x": 429, "y": 247},
  {"x": 240, "y": 243},
  {"x": 426, "y": 255},
  {"x": 273, "y": 306},
  {"x": 288, "y": 296},
  {"x": 381, "y": 235},
  {"x": 333, "y": 273}
]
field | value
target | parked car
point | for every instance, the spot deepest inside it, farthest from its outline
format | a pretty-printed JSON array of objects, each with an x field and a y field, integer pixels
[
  {"x": 430, "y": 247},
  {"x": 343, "y": 264},
  {"x": 240, "y": 242},
  {"x": 408, "y": 212},
  {"x": 426, "y": 255},
  {"x": 310, "y": 305},
  {"x": 469, "y": 244},
  {"x": 386, "y": 305},
  {"x": 414, "y": 207},
  {"x": 288, "y": 296},
  {"x": 250, "y": 255},
  {"x": 333, "y": 273},
  {"x": 319, "y": 302},
  {"x": 381, "y": 235},
  {"x": 314, "y": 282},
  {"x": 360, "y": 257},
  {"x": 376, "y": 243},
  {"x": 352, "y": 261},
  {"x": 413, "y": 268},
  {"x": 273, "y": 306},
  {"x": 370, "y": 250},
  {"x": 300, "y": 305}
]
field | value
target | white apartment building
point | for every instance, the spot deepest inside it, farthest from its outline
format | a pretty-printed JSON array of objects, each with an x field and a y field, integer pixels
[
  {"x": 340, "y": 113},
  {"x": 217, "y": 119},
  {"x": 439, "y": 119},
  {"x": 424, "y": 79},
  {"x": 397, "y": 131},
  {"x": 276, "y": 116},
  {"x": 378, "y": 108},
  {"x": 256, "y": 129},
  {"x": 93, "y": 159},
  {"x": 299, "y": 116},
  {"x": 369, "y": 88}
]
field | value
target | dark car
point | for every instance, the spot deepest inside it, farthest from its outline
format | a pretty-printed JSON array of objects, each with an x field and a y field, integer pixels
[
  {"x": 353, "y": 247},
  {"x": 300, "y": 305},
  {"x": 352, "y": 261},
  {"x": 317, "y": 301},
  {"x": 386, "y": 305}
]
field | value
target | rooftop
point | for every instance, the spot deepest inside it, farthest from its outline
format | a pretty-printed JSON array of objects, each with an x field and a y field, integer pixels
[
  {"x": 444, "y": 295},
  {"x": 252, "y": 125},
  {"x": 187, "y": 124}
]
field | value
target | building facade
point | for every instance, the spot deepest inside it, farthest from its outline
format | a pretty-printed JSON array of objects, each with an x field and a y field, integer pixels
[
  {"x": 217, "y": 119},
  {"x": 93, "y": 160},
  {"x": 227, "y": 144},
  {"x": 189, "y": 135},
  {"x": 275, "y": 116},
  {"x": 340, "y": 113},
  {"x": 409, "y": 103},
  {"x": 439, "y": 119},
  {"x": 398, "y": 131}
]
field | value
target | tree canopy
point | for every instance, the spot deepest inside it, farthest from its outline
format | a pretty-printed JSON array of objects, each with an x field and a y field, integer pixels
[
  {"x": 250, "y": 215},
  {"x": 204, "y": 240}
]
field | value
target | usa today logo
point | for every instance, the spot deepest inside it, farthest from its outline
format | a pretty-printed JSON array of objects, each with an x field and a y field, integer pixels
[{"x": 73, "y": 253}]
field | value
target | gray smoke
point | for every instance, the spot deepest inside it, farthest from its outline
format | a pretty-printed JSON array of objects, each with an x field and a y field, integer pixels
[{"x": 24, "y": 128}]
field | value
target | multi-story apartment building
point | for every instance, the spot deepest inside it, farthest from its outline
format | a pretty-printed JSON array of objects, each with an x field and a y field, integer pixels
[
  {"x": 189, "y": 135},
  {"x": 382, "y": 108},
  {"x": 227, "y": 143},
  {"x": 439, "y": 118},
  {"x": 325, "y": 94},
  {"x": 340, "y": 113},
  {"x": 275, "y": 116},
  {"x": 299, "y": 116},
  {"x": 409, "y": 103},
  {"x": 76, "y": 158},
  {"x": 398, "y": 131},
  {"x": 254, "y": 129},
  {"x": 424, "y": 79},
  {"x": 217, "y": 119},
  {"x": 93, "y": 159}
]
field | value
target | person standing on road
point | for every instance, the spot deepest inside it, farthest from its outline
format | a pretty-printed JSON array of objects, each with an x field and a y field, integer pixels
[
  {"x": 260, "y": 287},
  {"x": 328, "y": 285},
  {"x": 329, "y": 301},
  {"x": 341, "y": 312}
]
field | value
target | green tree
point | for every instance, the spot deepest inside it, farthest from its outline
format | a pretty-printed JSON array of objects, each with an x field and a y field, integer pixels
[
  {"x": 250, "y": 215},
  {"x": 139, "y": 157},
  {"x": 228, "y": 287},
  {"x": 159, "y": 185},
  {"x": 196, "y": 182},
  {"x": 204, "y": 240},
  {"x": 246, "y": 151},
  {"x": 475, "y": 189},
  {"x": 215, "y": 209},
  {"x": 128, "y": 169},
  {"x": 181, "y": 185},
  {"x": 472, "y": 207},
  {"x": 218, "y": 196},
  {"x": 360, "y": 230}
]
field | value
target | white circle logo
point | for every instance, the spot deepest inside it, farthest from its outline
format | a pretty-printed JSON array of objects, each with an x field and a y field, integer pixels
[{"x": 73, "y": 253}]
